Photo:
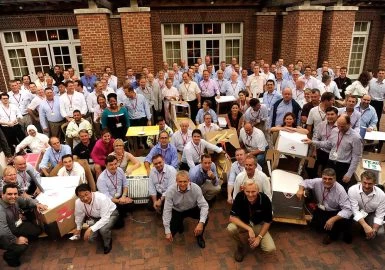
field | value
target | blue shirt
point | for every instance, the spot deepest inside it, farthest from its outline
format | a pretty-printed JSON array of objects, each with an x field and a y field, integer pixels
[
  {"x": 169, "y": 154},
  {"x": 49, "y": 111},
  {"x": 355, "y": 119},
  {"x": 89, "y": 82},
  {"x": 138, "y": 107},
  {"x": 270, "y": 99},
  {"x": 112, "y": 185},
  {"x": 369, "y": 119},
  {"x": 161, "y": 181},
  {"x": 197, "y": 78},
  {"x": 200, "y": 116},
  {"x": 52, "y": 157},
  {"x": 282, "y": 109},
  {"x": 199, "y": 177}
]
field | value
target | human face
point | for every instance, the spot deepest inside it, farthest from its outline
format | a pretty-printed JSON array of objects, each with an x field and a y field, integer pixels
[
  {"x": 287, "y": 95},
  {"x": 314, "y": 97},
  {"x": 240, "y": 156},
  {"x": 196, "y": 138},
  {"x": 163, "y": 139},
  {"x": 206, "y": 75},
  {"x": 119, "y": 148},
  {"x": 102, "y": 102},
  {"x": 350, "y": 103},
  {"x": 329, "y": 103},
  {"x": 87, "y": 71},
  {"x": 207, "y": 120},
  {"x": 162, "y": 125},
  {"x": 220, "y": 74},
  {"x": 70, "y": 88},
  {"x": 381, "y": 75},
  {"x": 40, "y": 76},
  {"x": 206, "y": 164},
  {"x": 331, "y": 117},
  {"x": 55, "y": 144},
  {"x": 256, "y": 70},
  {"x": 342, "y": 73},
  {"x": 66, "y": 75},
  {"x": 84, "y": 137},
  {"x": 113, "y": 103},
  {"x": 32, "y": 132},
  {"x": 365, "y": 101},
  {"x": 10, "y": 196},
  {"x": 109, "y": 71},
  {"x": 257, "y": 107},
  {"x": 158, "y": 164},
  {"x": 184, "y": 127},
  {"x": 248, "y": 129},
  {"x": 10, "y": 177},
  {"x": 235, "y": 109},
  {"x": 49, "y": 94},
  {"x": 250, "y": 166},
  {"x": 5, "y": 100},
  {"x": 234, "y": 77},
  {"x": 14, "y": 87},
  {"x": 266, "y": 68},
  {"x": 106, "y": 138},
  {"x": 251, "y": 192},
  {"x": 20, "y": 164},
  {"x": 278, "y": 74},
  {"x": 182, "y": 182},
  {"x": 244, "y": 73},
  {"x": 328, "y": 181},
  {"x": 307, "y": 71},
  {"x": 112, "y": 166},
  {"x": 169, "y": 83},
  {"x": 142, "y": 83},
  {"x": 186, "y": 78},
  {"x": 205, "y": 106},
  {"x": 77, "y": 116},
  {"x": 57, "y": 70},
  {"x": 241, "y": 96},
  {"x": 289, "y": 121},
  {"x": 270, "y": 87},
  {"x": 85, "y": 196},
  {"x": 26, "y": 80},
  {"x": 342, "y": 125},
  {"x": 308, "y": 96},
  {"x": 367, "y": 185},
  {"x": 68, "y": 163}
]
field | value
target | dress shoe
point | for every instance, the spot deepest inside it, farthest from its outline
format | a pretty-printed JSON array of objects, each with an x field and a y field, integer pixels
[
  {"x": 327, "y": 240},
  {"x": 181, "y": 229},
  {"x": 201, "y": 242},
  {"x": 11, "y": 263},
  {"x": 108, "y": 248},
  {"x": 347, "y": 238},
  {"x": 239, "y": 254}
]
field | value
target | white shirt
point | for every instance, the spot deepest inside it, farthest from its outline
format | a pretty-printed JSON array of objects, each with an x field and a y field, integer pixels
[
  {"x": 259, "y": 178},
  {"x": 374, "y": 202},
  {"x": 189, "y": 90},
  {"x": 69, "y": 103},
  {"x": 73, "y": 129},
  {"x": 113, "y": 82},
  {"x": 204, "y": 129},
  {"x": 100, "y": 207},
  {"x": 357, "y": 89},
  {"x": 77, "y": 170},
  {"x": 179, "y": 140},
  {"x": 192, "y": 153},
  {"x": 21, "y": 100},
  {"x": 256, "y": 84},
  {"x": 34, "y": 105},
  {"x": 36, "y": 144},
  {"x": 256, "y": 141},
  {"x": 332, "y": 88},
  {"x": 299, "y": 96},
  {"x": 310, "y": 82},
  {"x": 170, "y": 92},
  {"x": 316, "y": 116},
  {"x": 9, "y": 114}
]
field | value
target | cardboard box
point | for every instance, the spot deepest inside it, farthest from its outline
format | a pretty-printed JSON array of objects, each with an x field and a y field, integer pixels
[
  {"x": 291, "y": 143},
  {"x": 59, "y": 196},
  {"x": 374, "y": 157},
  {"x": 285, "y": 202}
]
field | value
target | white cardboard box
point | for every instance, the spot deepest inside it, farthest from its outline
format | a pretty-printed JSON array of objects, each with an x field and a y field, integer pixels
[{"x": 291, "y": 143}]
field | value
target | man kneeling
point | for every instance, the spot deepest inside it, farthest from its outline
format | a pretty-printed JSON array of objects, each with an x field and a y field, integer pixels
[
  {"x": 99, "y": 212},
  {"x": 250, "y": 219}
]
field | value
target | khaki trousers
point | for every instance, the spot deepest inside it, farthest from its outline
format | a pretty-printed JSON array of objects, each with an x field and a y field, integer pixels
[{"x": 209, "y": 190}]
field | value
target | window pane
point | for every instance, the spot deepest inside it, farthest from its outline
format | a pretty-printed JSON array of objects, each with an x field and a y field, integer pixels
[
  {"x": 188, "y": 29},
  {"x": 228, "y": 28},
  {"x": 216, "y": 28},
  {"x": 23, "y": 62},
  {"x": 65, "y": 50},
  {"x": 44, "y": 61},
  {"x": 63, "y": 34},
  {"x": 78, "y": 50},
  {"x": 8, "y": 37},
  {"x": 58, "y": 60},
  {"x": 41, "y": 35},
  {"x": 31, "y": 36},
  {"x": 43, "y": 51},
  {"x": 167, "y": 29},
  {"x": 16, "y": 72},
  {"x": 67, "y": 59},
  {"x": 24, "y": 70},
  {"x": 16, "y": 37},
  {"x": 14, "y": 62},
  {"x": 56, "y": 50},
  {"x": 34, "y": 52},
  {"x": 198, "y": 29},
  {"x": 12, "y": 53},
  {"x": 236, "y": 28},
  {"x": 175, "y": 29},
  {"x": 208, "y": 28},
  {"x": 36, "y": 61},
  {"x": 20, "y": 53},
  {"x": 75, "y": 33},
  {"x": 79, "y": 58},
  {"x": 52, "y": 35}
]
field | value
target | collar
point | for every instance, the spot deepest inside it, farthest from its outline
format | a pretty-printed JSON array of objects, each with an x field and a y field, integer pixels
[
  {"x": 160, "y": 147},
  {"x": 187, "y": 190},
  {"x": 373, "y": 193},
  {"x": 163, "y": 171}
]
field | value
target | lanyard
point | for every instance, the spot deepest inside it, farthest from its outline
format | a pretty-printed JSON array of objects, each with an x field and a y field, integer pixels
[
  {"x": 320, "y": 115},
  {"x": 205, "y": 128},
  {"x": 269, "y": 102},
  {"x": 234, "y": 87},
  {"x": 197, "y": 149},
  {"x": 160, "y": 181},
  {"x": 69, "y": 172},
  {"x": 114, "y": 180},
  {"x": 362, "y": 113},
  {"x": 300, "y": 93},
  {"x": 70, "y": 99},
  {"x": 339, "y": 140},
  {"x": 365, "y": 204},
  {"x": 8, "y": 115},
  {"x": 54, "y": 153},
  {"x": 136, "y": 104},
  {"x": 50, "y": 105},
  {"x": 252, "y": 112},
  {"x": 326, "y": 131},
  {"x": 18, "y": 101},
  {"x": 324, "y": 196},
  {"x": 220, "y": 85},
  {"x": 242, "y": 108},
  {"x": 248, "y": 139},
  {"x": 92, "y": 205},
  {"x": 206, "y": 86},
  {"x": 187, "y": 87},
  {"x": 24, "y": 177},
  {"x": 184, "y": 139}
]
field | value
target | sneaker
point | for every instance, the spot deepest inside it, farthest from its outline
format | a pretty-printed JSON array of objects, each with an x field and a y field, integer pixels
[{"x": 239, "y": 254}]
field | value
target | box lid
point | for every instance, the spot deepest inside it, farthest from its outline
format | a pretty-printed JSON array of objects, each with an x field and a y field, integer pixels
[{"x": 283, "y": 181}]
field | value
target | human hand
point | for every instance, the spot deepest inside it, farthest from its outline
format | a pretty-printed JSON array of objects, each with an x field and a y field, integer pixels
[
  {"x": 198, "y": 229},
  {"x": 329, "y": 224},
  {"x": 307, "y": 141},
  {"x": 345, "y": 179},
  {"x": 211, "y": 175},
  {"x": 370, "y": 233},
  {"x": 300, "y": 194},
  {"x": 41, "y": 207},
  {"x": 21, "y": 240},
  {"x": 229, "y": 200},
  {"x": 149, "y": 123},
  {"x": 169, "y": 237},
  {"x": 254, "y": 243},
  {"x": 87, "y": 234},
  {"x": 77, "y": 232}
]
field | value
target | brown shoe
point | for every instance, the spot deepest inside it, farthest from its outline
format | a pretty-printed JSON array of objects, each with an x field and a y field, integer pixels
[
  {"x": 239, "y": 254},
  {"x": 327, "y": 240}
]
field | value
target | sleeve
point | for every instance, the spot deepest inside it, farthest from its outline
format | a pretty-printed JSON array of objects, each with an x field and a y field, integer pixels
[
  {"x": 214, "y": 169},
  {"x": 264, "y": 113},
  {"x": 167, "y": 211},
  {"x": 354, "y": 203},
  {"x": 232, "y": 176},
  {"x": 346, "y": 210},
  {"x": 350, "y": 89},
  {"x": 237, "y": 184},
  {"x": 89, "y": 102},
  {"x": 150, "y": 155},
  {"x": 83, "y": 105},
  {"x": 102, "y": 187},
  {"x": 18, "y": 113},
  {"x": 6, "y": 236},
  {"x": 215, "y": 117},
  {"x": 44, "y": 160},
  {"x": 266, "y": 186},
  {"x": 126, "y": 116},
  {"x": 172, "y": 141},
  {"x": 105, "y": 215},
  {"x": 309, "y": 183},
  {"x": 42, "y": 118},
  {"x": 62, "y": 108},
  {"x": 103, "y": 119},
  {"x": 95, "y": 155},
  {"x": 267, "y": 209},
  {"x": 199, "y": 116},
  {"x": 380, "y": 212},
  {"x": 79, "y": 215},
  {"x": 203, "y": 205},
  {"x": 71, "y": 131},
  {"x": 147, "y": 109},
  {"x": 356, "y": 156},
  {"x": 236, "y": 207},
  {"x": 212, "y": 147},
  {"x": 310, "y": 120},
  {"x": 373, "y": 121},
  {"x": 151, "y": 185},
  {"x": 174, "y": 161},
  {"x": 189, "y": 158},
  {"x": 23, "y": 144}
]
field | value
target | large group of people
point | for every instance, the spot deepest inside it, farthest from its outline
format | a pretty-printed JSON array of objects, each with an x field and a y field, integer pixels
[{"x": 68, "y": 119}]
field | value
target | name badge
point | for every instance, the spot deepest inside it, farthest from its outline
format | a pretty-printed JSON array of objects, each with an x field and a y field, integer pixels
[
  {"x": 322, "y": 207},
  {"x": 90, "y": 222},
  {"x": 89, "y": 88},
  {"x": 119, "y": 125},
  {"x": 117, "y": 195},
  {"x": 363, "y": 213},
  {"x": 90, "y": 161},
  {"x": 334, "y": 155},
  {"x": 52, "y": 113},
  {"x": 18, "y": 223}
]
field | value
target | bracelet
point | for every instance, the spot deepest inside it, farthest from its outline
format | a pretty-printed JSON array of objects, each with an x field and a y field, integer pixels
[{"x": 260, "y": 236}]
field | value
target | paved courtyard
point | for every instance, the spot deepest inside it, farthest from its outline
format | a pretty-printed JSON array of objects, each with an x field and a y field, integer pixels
[{"x": 141, "y": 245}]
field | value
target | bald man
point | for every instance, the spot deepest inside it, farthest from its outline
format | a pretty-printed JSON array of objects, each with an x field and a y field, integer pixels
[
  {"x": 299, "y": 92},
  {"x": 184, "y": 135},
  {"x": 284, "y": 105},
  {"x": 28, "y": 178}
]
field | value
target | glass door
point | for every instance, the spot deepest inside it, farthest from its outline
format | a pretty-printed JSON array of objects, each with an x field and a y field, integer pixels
[
  {"x": 212, "y": 49},
  {"x": 41, "y": 59},
  {"x": 193, "y": 51}
]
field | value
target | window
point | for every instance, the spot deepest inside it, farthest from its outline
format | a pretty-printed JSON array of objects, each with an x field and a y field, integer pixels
[
  {"x": 190, "y": 41},
  {"x": 358, "y": 48},
  {"x": 28, "y": 52}
]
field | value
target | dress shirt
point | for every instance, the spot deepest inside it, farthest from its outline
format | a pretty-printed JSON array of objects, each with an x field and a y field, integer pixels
[
  {"x": 259, "y": 178},
  {"x": 330, "y": 71},
  {"x": 34, "y": 105},
  {"x": 169, "y": 154},
  {"x": 310, "y": 82},
  {"x": 113, "y": 82},
  {"x": 355, "y": 118},
  {"x": 73, "y": 128},
  {"x": 112, "y": 185},
  {"x": 306, "y": 109},
  {"x": 199, "y": 177},
  {"x": 170, "y": 92},
  {"x": 42, "y": 84},
  {"x": 349, "y": 149},
  {"x": 322, "y": 132},
  {"x": 49, "y": 111},
  {"x": 92, "y": 101},
  {"x": 189, "y": 90},
  {"x": 224, "y": 87},
  {"x": 204, "y": 129},
  {"x": 270, "y": 98},
  {"x": 89, "y": 82},
  {"x": 69, "y": 103},
  {"x": 161, "y": 181},
  {"x": 203, "y": 67},
  {"x": 268, "y": 76},
  {"x": 256, "y": 141},
  {"x": 192, "y": 153},
  {"x": 21, "y": 100},
  {"x": 201, "y": 113},
  {"x": 138, "y": 107},
  {"x": 332, "y": 88},
  {"x": 100, "y": 207},
  {"x": 256, "y": 84},
  {"x": 235, "y": 169},
  {"x": 335, "y": 199},
  {"x": 280, "y": 85},
  {"x": 374, "y": 202},
  {"x": 243, "y": 82},
  {"x": 377, "y": 89},
  {"x": 369, "y": 119},
  {"x": 316, "y": 116},
  {"x": 179, "y": 140},
  {"x": 155, "y": 89},
  {"x": 282, "y": 109},
  {"x": 36, "y": 144},
  {"x": 357, "y": 89},
  {"x": 183, "y": 201},
  {"x": 77, "y": 170},
  {"x": 255, "y": 117},
  {"x": 24, "y": 178},
  {"x": 208, "y": 88},
  {"x": 53, "y": 157},
  {"x": 299, "y": 96},
  {"x": 10, "y": 114},
  {"x": 235, "y": 87},
  {"x": 148, "y": 94}
]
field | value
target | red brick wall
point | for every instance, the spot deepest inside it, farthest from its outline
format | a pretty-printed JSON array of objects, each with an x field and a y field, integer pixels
[
  {"x": 117, "y": 48},
  {"x": 137, "y": 40},
  {"x": 265, "y": 37},
  {"x": 336, "y": 37}
]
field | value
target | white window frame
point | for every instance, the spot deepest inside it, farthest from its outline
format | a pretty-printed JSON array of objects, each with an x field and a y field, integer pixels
[{"x": 364, "y": 34}]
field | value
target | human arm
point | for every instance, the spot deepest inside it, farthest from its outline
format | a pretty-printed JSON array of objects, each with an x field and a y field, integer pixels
[
  {"x": 79, "y": 215},
  {"x": 43, "y": 119},
  {"x": 135, "y": 163},
  {"x": 105, "y": 214},
  {"x": 357, "y": 148},
  {"x": 6, "y": 235}
]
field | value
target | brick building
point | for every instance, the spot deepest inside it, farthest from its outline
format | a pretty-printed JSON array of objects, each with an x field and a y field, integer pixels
[{"x": 35, "y": 35}]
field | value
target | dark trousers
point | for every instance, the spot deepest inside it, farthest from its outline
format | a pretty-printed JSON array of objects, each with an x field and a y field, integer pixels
[
  {"x": 341, "y": 169},
  {"x": 14, "y": 136},
  {"x": 177, "y": 218},
  {"x": 321, "y": 161},
  {"x": 150, "y": 204},
  {"x": 194, "y": 109},
  {"x": 138, "y": 122},
  {"x": 320, "y": 217},
  {"x": 378, "y": 106}
]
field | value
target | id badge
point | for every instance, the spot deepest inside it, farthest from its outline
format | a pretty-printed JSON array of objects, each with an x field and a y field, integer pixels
[
  {"x": 18, "y": 223},
  {"x": 90, "y": 222},
  {"x": 363, "y": 213},
  {"x": 52, "y": 113},
  {"x": 334, "y": 155},
  {"x": 90, "y": 161},
  {"x": 119, "y": 125},
  {"x": 322, "y": 207},
  {"x": 258, "y": 121},
  {"x": 251, "y": 223},
  {"x": 89, "y": 88},
  {"x": 117, "y": 195}
]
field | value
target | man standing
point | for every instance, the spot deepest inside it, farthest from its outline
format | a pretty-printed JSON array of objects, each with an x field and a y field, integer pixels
[
  {"x": 52, "y": 156},
  {"x": 180, "y": 138},
  {"x": 255, "y": 83},
  {"x": 271, "y": 96},
  {"x": 112, "y": 79},
  {"x": 333, "y": 212},
  {"x": 342, "y": 81},
  {"x": 223, "y": 85},
  {"x": 70, "y": 101},
  {"x": 49, "y": 114},
  {"x": 98, "y": 211},
  {"x": 209, "y": 88},
  {"x": 355, "y": 116},
  {"x": 310, "y": 81},
  {"x": 14, "y": 231},
  {"x": 162, "y": 176},
  {"x": 185, "y": 199},
  {"x": 27, "y": 177},
  {"x": 377, "y": 93},
  {"x": 250, "y": 220},
  {"x": 88, "y": 79},
  {"x": 137, "y": 107},
  {"x": 315, "y": 100},
  {"x": 318, "y": 114},
  {"x": 369, "y": 118},
  {"x": 72, "y": 168},
  {"x": 282, "y": 106},
  {"x": 257, "y": 114},
  {"x": 73, "y": 128},
  {"x": 368, "y": 204}
]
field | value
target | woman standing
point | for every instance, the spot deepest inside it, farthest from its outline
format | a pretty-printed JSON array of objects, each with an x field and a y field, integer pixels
[
  {"x": 98, "y": 111},
  {"x": 115, "y": 118},
  {"x": 242, "y": 101},
  {"x": 233, "y": 117},
  {"x": 360, "y": 87}
]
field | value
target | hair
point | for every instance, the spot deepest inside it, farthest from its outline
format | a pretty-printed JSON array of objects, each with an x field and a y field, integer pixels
[
  {"x": 364, "y": 78},
  {"x": 250, "y": 182},
  {"x": 76, "y": 111},
  {"x": 329, "y": 172},
  {"x": 205, "y": 156},
  {"x": 234, "y": 104},
  {"x": 104, "y": 131},
  {"x": 183, "y": 174},
  {"x": 206, "y": 114},
  {"x": 50, "y": 140},
  {"x": 157, "y": 156},
  {"x": 101, "y": 96},
  {"x": 159, "y": 119},
  {"x": 208, "y": 103},
  {"x": 351, "y": 96},
  {"x": 48, "y": 88},
  {"x": 347, "y": 118},
  {"x": 10, "y": 185},
  {"x": 332, "y": 109},
  {"x": 112, "y": 95},
  {"x": 79, "y": 82},
  {"x": 327, "y": 96},
  {"x": 270, "y": 81},
  {"x": 196, "y": 131},
  {"x": 81, "y": 188},
  {"x": 315, "y": 90},
  {"x": 368, "y": 175},
  {"x": 253, "y": 102},
  {"x": 68, "y": 82},
  {"x": 253, "y": 158},
  {"x": 83, "y": 131},
  {"x": 66, "y": 156},
  {"x": 110, "y": 158},
  {"x": 118, "y": 141},
  {"x": 240, "y": 149},
  {"x": 293, "y": 116},
  {"x": 8, "y": 168},
  {"x": 4, "y": 94},
  {"x": 325, "y": 78},
  {"x": 244, "y": 92}
]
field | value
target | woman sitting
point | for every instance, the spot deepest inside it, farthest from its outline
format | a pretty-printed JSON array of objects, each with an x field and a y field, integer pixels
[
  {"x": 36, "y": 142},
  {"x": 103, "y": 147},
  {"x": 289, "y": 125},
  {"x": 233, "y": 117},
  {"x": 123, "y": 157}
]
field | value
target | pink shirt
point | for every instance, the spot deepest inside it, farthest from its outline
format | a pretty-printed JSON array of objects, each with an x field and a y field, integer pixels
[{"x": 100, "y": 152}]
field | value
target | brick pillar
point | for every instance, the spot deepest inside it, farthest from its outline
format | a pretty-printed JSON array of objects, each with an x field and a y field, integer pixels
[
  {"x": 94, "y": 33},
  {"x": 381, "y": 62},
  {"x": 265, "y": 31},
  {"x": 136, "y": 30},
  {"x": 301, "y": 34},
  {"x": 336, "y": 35}
]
